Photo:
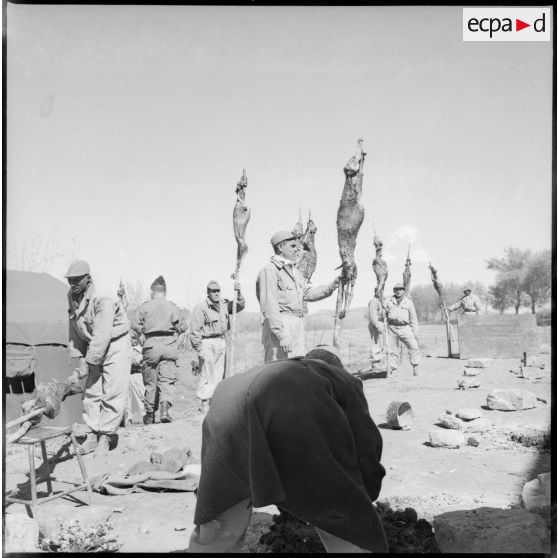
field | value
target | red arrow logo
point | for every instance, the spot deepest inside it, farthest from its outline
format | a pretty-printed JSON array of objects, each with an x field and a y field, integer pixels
[{"x": 519, "y": 25}]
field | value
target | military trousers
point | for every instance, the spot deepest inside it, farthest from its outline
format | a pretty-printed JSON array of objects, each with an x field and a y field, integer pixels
[
  {"x": 213, "y": 351},
  {"x": 106, "y": 388},
  {"x": 227, "y": 532},
  {"x": 160, "y": 371},
  {"x": 293, "y": 327},
  {"x": 402, "y": 334}
]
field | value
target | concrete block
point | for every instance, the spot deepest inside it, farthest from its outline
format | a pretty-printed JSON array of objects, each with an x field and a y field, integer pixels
[
  {"x": 21, "y": 533},
  {"x": 52, "y": 517},
  {"x": 450, "y": 421},
  {"x": 477, "y": 425},
  {"x": 442, "y": 438},
  {"x": 511, "y": 399},
  {"x": 478, "y": 362},
  {"x": 535, "y": 496},
  {"x": 491, "y": 530},
  {"x": 469, "y": 414}
]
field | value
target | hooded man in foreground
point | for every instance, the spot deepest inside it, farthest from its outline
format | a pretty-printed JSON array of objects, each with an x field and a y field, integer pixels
[{"x": 295, "y": 433}]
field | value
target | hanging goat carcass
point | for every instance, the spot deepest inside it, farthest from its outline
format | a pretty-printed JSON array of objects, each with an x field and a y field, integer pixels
[
  {"x": 309, "y": 256},
  {"x": 349, "y": 219}
]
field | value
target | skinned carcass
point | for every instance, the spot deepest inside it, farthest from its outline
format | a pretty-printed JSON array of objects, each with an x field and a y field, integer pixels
[
  {"x": 379, "y": 266},
  {"x": 407, "y": 272},
  {"x": 349, "y": 219},
  {"x": 439, "y": 288}
]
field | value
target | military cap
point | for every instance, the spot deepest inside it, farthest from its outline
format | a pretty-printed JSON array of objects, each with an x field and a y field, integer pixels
[
  {"x": 467, "y": 289},
  {"x": 78, "y": 268},
  {"x": 398, "y": 286},
  {"x": 281, "y": 236},
  {"x": 213, "y": 286},
  {"x": 159, "y": 281}
]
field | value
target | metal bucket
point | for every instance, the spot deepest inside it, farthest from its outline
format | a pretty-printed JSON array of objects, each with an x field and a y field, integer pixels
[{"x": 399, "y": 415}]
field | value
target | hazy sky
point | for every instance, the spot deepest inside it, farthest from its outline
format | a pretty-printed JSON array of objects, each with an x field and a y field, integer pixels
[{"x": 128, "y": 128}]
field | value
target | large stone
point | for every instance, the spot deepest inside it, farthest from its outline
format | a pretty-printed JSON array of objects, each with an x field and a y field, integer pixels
[
  {"x": 469, "y": 414},
  {"x": 478, "y": 362},
  {"x": 491, "y": 530},
  {"x": 535, "y": 496},
  {"x": 511, "y": 399},
  {"x": 21, "y": 533},
  {"x": 450, "y": 421},
  {"x": 52, "y": 517},
  {"x": 477, "y": 425},
  {"x": 442, "y": 438}
]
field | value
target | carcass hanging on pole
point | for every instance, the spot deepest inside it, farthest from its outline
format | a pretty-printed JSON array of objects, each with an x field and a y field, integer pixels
[
  {"x": 309, "y": 257},
  {"x": 380, "y": 269},
  {"x": 241, "y": 216},
  {"x": 439, "y": 287},
  {"x": 298, "y": 233},
  {"x": 407, "y": 272},
  {"x": 349, "y": 219}
]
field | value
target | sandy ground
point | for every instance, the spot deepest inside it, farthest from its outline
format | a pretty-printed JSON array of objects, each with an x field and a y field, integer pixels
[{"x": 431, "y": 480}]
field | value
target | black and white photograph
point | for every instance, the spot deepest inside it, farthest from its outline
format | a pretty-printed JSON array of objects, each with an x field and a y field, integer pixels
[{"x": 279, "y": 279}]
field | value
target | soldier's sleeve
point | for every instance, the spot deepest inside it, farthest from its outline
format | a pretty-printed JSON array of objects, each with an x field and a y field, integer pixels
[
  {"x": 266, "y": 289},
  {"x": 102, "y": 332},
  {"x": 312, "y": 294},
  {"x": 77, "y": 346},
  {"x": 413, "y": 321},
  {"x": 454, "y": 306},
  {"x": 196, "y": 328},
  {"x": 179, "y": 325}
]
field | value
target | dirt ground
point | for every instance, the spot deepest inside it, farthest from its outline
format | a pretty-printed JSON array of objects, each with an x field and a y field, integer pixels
[{"x": 431, "y": 480}]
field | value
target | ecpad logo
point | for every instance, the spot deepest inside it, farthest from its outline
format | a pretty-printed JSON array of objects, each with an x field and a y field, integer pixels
[{"x": 506, "y": 24}]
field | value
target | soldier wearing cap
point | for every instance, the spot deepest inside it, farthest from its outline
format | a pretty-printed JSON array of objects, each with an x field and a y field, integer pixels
[
  {"x": 208, "y": 324},
  {"x": 282, "y": 290},
  {"x": 469, "y": 303},
  {"x": 402, "y": 327},
  {"x": 159, "y": 321},
  {"x": 100, "y": 338}
]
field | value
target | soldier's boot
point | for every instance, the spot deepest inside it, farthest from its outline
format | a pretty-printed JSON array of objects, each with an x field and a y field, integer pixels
[
  {"x": 103, "y": 446},
  {"x": 415, "y": 370},
  {"x": 164, "y": 412},
  {"x": 149, "y": 418},
  {"x": 90, "y": 443}
]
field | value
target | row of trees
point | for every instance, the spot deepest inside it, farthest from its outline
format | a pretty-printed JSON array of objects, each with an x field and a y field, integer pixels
[{"x": 523, "y": 278}]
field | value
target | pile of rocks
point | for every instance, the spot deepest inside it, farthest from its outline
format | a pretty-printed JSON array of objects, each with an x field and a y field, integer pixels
[{"x": 455, "y": 426}]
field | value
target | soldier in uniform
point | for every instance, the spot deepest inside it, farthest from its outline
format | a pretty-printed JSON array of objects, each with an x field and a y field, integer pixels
[
  {"x": 402, "y": 327},
  {"x": 159, "y": 321},
  {"x": 100, "y": 339},
  {"x": 469, "y": 303},
  {"x": 281, "y": 290},
  {"x": 208, "y": 324},
  {"x": 376, "y": 325}
]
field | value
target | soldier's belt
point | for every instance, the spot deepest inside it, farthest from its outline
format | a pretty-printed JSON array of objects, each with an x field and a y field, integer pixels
[
  {"x": 397, "y": 323},
  {"x": 158, "y": 334}
]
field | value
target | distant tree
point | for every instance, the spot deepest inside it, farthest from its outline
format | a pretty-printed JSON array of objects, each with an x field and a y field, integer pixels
[
  {"x": 523, "y": 278},
  {"x": 426, "y": 303},
  {"x": 511, "y": 271},
  {"x": 35, "y": 253}
]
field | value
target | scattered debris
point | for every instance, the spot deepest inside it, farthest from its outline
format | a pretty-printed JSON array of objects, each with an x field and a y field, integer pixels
[
  {"x": 87, "y": 516},
  {"x": 21, "y": 533},
  {"x": 478, "y": 362},
  {"x": 467, "y": 384},
  {"x": 542, "y": 399},
  {"x": 75, "y": 537},
  {"x": 442, "y": 438},
  {"x": 491, "y": 530},
  {"x": 472, "y": 441},
  {"x": 537, "y": 439},
  {"x": 511, "y": 400},
  {"x": 468, "y": 414},
  {"x": 399, "y": 415}
]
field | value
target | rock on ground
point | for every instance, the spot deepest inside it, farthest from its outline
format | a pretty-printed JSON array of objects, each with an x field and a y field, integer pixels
[
  {"x": 471, "y": 372},
  {"x": 535, "y": 496},
  {"x": 450, "y": 421},
  {"x": 469, "y": 414},
  {"x": 21, "y": 533},
  {"x": 491, "y": 530},
  {"x": 511, "y": 399},
  {"x": 477, "y": 425},
  {"x": 442, "y": 438},
  {"x": 478, "y": 362},
  {"x": 467, "y": 384}
]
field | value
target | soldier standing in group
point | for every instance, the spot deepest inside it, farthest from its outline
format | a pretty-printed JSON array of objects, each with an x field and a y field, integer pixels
[
  {"x": 281, "y": 290},
  {"x": 402, "y": 327},
  {"x": 469, "y": 303},
  {"x": 376, "y": 325},
  {"x": 208, "y": 324},
  {"x": 159, "y": 321},
  {"x": 100, "y": 337}
]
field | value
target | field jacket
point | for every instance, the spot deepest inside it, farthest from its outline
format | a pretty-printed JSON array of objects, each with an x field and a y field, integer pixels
[
  {"x": 159, "y": 316},
  {"x": 469, "y": 304},
  {"x": 402, "y": 313},
  {"x": 281, "y": 288},
  {"x": 209, "y": 320},
  {"x": 94, "y": 323}
]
